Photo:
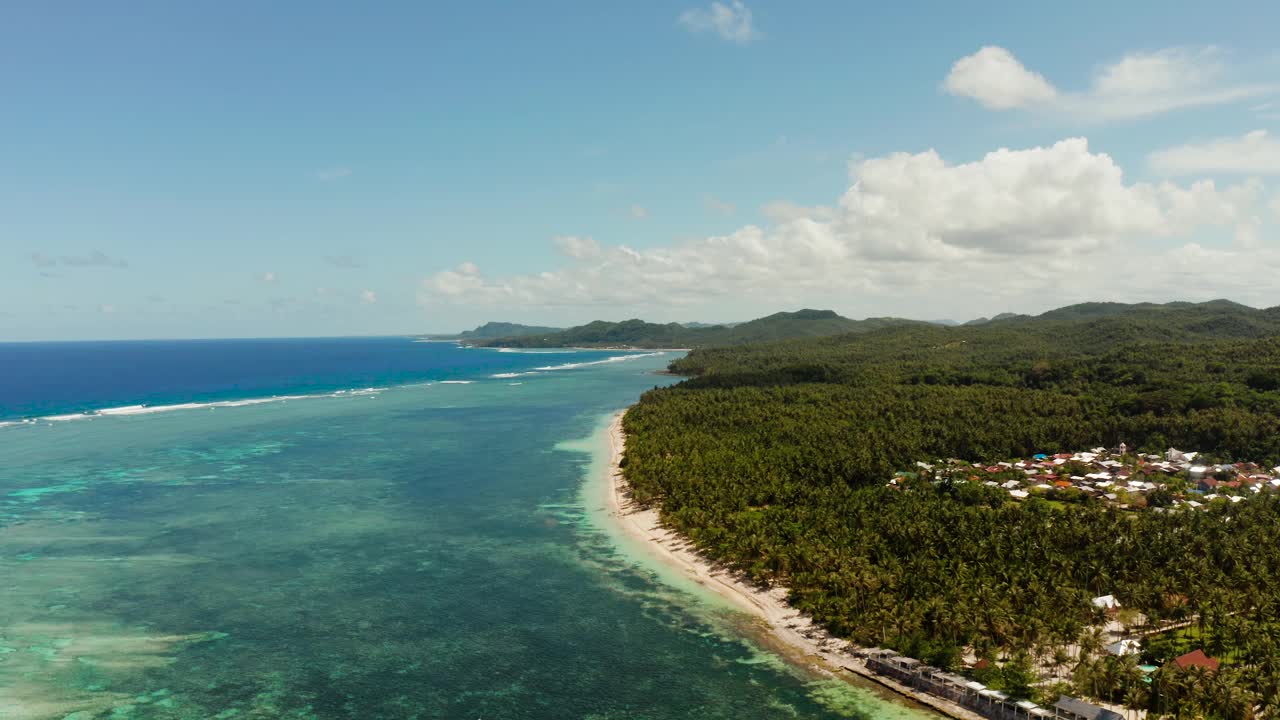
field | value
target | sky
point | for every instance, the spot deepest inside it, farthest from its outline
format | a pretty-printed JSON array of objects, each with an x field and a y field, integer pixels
[{"x": 241, "y": 169}]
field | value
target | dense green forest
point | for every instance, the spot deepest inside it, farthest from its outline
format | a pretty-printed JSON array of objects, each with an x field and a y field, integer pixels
[
  {"x": 773, "y": 459},
  {"x": 641, "y": 334},
  {"x": 492, "y": 330}
]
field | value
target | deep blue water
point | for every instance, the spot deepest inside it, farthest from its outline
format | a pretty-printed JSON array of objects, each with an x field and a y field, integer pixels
[
  {"x": 53, "y": 378},
  {"x": 434, "y": 548}
]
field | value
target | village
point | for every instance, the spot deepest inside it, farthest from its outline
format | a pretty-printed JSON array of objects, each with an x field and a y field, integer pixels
[
  {"x": 1127, "y": 480},
  {"x": 1117, "y": 476}
]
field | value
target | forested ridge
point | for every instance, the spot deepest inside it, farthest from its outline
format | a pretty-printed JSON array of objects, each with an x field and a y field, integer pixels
[
  {"x": 773, "y": 458},
  {"x": 640, "y": 334}
]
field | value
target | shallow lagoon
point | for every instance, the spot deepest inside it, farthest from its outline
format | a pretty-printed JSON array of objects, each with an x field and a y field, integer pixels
[{"x": 422, "y": 552}]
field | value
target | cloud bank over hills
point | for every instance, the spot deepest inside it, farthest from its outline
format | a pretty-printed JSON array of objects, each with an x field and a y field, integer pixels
[{"x": 1014, "y": 222}]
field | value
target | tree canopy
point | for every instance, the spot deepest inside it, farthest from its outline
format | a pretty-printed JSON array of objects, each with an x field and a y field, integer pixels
[{"x": 773, "y": 459}]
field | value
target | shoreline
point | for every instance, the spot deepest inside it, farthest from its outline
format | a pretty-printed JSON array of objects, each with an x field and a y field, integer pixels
[{"x": 786, "y": 629}]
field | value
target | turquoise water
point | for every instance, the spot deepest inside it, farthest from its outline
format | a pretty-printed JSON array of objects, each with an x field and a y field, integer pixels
[{"x": 420, "y": 552}]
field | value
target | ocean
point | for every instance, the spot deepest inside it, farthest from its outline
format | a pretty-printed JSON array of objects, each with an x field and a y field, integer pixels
[{"x": 354, "y": 528}]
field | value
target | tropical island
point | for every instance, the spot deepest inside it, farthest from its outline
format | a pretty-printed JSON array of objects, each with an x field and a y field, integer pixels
[
  {"x": 998, "y": 513},
  {"x": 638, "y": 334}
]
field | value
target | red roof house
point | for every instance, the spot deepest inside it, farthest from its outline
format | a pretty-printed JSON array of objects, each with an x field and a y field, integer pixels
[{"x": 1196, "y": 658}]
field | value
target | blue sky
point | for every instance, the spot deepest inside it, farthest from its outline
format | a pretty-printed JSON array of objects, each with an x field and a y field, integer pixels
[{"x": 256, "y": 169}]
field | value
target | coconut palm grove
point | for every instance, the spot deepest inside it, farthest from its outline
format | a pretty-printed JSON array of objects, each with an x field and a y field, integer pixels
[{"x": 775, "y": 460}]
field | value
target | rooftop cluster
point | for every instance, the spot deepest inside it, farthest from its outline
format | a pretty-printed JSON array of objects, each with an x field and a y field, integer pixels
[
  {"x": 1114, "y": 475},
  {"x": 975, "y": 696}
]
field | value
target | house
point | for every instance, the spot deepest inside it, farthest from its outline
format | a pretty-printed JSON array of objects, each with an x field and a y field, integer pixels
[
  {"x": 1196, "y": 658},
  {"x": 1106, "y": 602},
  {"x": 1069, "y": 708},
  {"x": 1127, "y": 646}
]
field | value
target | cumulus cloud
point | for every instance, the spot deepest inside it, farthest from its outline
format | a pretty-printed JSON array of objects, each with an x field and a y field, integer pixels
[
  {"x": 732, "y": 22},
  {"x": 578, "y": 248},
  {"x": 368, "y": 297},
  {"x": 1013, "y": 221},
  {"x": 1255, "y": 153},
  {"x": 639, "y": 212},
  {"x": 267, "y": 277},
  {"x": 1138, "y": 84},
  {"x": 96, "y": 259},
  {"x": 995, "y": 78}
]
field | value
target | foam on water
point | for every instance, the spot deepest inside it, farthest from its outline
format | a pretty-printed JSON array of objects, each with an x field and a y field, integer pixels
[
  {"x": 66, "y": 417},
  {"x": 143, "y": 409},
  {"x": 318, "y": 561},
  {"x": 606, "y": 361},
  {"x": 523, "y": 351},
  {"x": 132, "y": 410}
]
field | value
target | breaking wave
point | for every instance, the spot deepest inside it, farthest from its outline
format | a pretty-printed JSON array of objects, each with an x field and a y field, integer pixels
[
  {"x": 130, "y": 410},
  {"x": 574, "y": 366},
  {"x": 614, "y": 359}
]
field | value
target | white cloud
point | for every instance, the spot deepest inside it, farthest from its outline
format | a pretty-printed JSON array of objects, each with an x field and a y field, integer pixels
[
  {"x": 576, "y": 247},
  {"x": 718, "y": 206},
  {"x": 107, "y": 309},
  {"x": 995, "y": 78},
  {"x": 267, "y": 277},
  {"x": 639, "y": 212},
  {"x": 732, "y": 22},
  {"x": 333, "y": 173},
  {"x": 1255, "y": 153},
  {"x": 368, "y": 297},
  {"x": 911, "y": 225},
  {"x": 1144, "y": 83}
]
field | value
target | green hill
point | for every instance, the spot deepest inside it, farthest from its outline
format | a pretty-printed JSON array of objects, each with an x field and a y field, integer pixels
[
  {"x": 491, "y": 330},
  {"x": 641, "y": 334},
  {"x": 774, "y": 459}
]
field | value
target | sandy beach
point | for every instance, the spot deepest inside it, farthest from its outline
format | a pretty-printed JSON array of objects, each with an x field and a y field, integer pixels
[{"x": 789, "y": 632}]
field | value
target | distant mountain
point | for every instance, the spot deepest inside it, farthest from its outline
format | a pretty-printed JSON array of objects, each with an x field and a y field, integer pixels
[
  {"x": 1088, "y": 322},
  {"x": 641, "y": 334},
  {"x": 1112, "y": 309},
  {"x": 492, "y": 330},
  {"x": 1001, "y": 316},
  {"x": 698, "y": 325}
]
